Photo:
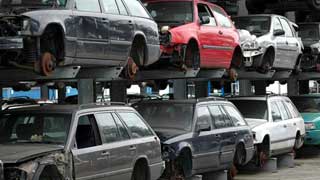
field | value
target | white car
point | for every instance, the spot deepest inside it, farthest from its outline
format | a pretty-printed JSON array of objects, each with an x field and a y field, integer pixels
[{"x": 277, "y": 125}]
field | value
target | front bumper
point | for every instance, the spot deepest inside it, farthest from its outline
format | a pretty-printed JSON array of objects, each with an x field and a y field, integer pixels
[
  {"x": 310, "y": 62},
  {"x": 312, "y": 137},
  {"x": 252, "y": 57},
  {"x": 11, "y": 43}
]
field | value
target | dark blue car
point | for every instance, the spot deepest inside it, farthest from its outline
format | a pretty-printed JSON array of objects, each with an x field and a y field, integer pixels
[{"x": 199, "y": 136}]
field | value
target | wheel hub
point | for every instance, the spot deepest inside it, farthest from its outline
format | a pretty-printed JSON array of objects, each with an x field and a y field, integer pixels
[
  {"x": 132, "y": 68},
  {"x": 47, "y": 64}
]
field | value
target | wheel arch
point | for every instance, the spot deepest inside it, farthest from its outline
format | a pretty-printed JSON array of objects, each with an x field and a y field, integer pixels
[
  {"x": 61, "y": 34},
  {"x": 139, "y": 37},
  {"x": 144, "y": 161},
  {"x": 47, "y": 168}
]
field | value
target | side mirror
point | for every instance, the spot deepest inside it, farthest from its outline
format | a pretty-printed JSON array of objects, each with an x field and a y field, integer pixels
[
  {"x": 278, "y": 32},
  {"x": 204, "y": 20},
  {"x": 203, "y": 127}
]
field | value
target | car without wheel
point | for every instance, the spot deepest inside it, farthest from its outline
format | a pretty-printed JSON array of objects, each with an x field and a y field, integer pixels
[
  {"x": 277, "y": 42},
  {"x": 78, "y": 142},
  {"x": 309, "y": 107},
  {"x": 195, "y": 34},
  {"x": 44, "y": 34},
  {"x": 198, "y": 136},
  {"x": 277, "y": 126}
]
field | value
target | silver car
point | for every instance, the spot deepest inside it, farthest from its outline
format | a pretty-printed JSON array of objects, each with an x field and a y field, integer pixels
[
  {"x": 78, "y": 142},
  {"x": 276, "y": 43}
]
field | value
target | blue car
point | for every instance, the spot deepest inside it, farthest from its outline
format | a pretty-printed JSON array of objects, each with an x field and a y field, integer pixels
[{"x": 198, "y": 136}]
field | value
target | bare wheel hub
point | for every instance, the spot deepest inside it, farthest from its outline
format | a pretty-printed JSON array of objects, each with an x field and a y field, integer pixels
[
  {"x": 233, "y": 74},
  {"x": 263, "y": 157},
  {"x": 132, "y": 68},
  {"x": 48, "y": 63}
]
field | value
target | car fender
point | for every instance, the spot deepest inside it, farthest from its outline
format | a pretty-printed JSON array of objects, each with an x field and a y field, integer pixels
[
  {"x": 183, "y": 145},
  {"x": 260, "y": 133},
  {"x": 183, "y": 34},
  {"x": 138, "y": 158}
]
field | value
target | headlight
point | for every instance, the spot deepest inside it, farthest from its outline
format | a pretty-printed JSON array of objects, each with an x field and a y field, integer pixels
[
  {"x": 26, "y": 24},
  {"x": 249, "y": 45},
  {"x": 309, "y": 126},
  {"x": 254, "y": 135},
  {"x": 165, "y": 39},
  {"x": 14, "y": 173}
]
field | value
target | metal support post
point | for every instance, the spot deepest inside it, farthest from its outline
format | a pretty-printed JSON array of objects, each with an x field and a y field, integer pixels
[
  {"x": 118, "y": 91},
  {"x": 260, "y": 87},
  {"x": 44, "y": 92},
  {"x": 180, "y": 89},
  {"x": 245, "y": 88},
  {"x": 201, "y": 89},
  {"x": 293, "y": 87},
  {"x": 86, "y": 90},
  {"x": 1, "y": 96},
  {"x": 304, "y": 87},
  {"x": 61, "y": 94}
]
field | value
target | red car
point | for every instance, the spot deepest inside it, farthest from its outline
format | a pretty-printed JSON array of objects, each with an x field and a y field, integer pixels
[{"x": 195, "y": 34}]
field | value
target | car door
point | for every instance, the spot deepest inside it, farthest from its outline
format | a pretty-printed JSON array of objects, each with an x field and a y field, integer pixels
[
  {"x": 210, "y": 52},
  {"x": 287, "y": 116},
  {"x": 116, "y": 147},
  {"x": 92, "y": 31},
  {"x": 227, "y": 34},
  {"x": 281, "y": 58},
  {"x": 206, "y": 143},
  {"x": 120, "y": 29},
  {"x": 88, "y": 157},
  {"x": 291, "y": 42},
  {"x": 277, "y": 128}
]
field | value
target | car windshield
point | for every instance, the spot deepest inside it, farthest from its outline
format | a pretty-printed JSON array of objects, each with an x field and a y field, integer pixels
[
  {"x": 309, "y": 32},
  {"x": 33, "y": 2},
  {"x": 253, "y": 109},
  {"x": 258, "y": 26},
  {"x": 34, "y": 128},
  {"x": 307, "y": 104},
  {"x": 167, "y": 116},
  {"x": 171, "y": 12}
]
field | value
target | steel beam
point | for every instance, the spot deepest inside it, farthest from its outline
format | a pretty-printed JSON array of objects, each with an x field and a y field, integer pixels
[
  {"x": 118, "y": 91},
  {"x": 253, "y": 75},
  {"x": 180, "y": 90},
  {"x": 165, "y": 74},
  {"x": 304, "y": 87},
  {"x": 61, "y": 94},
  {"x": 86, "y": 91},
  {"x": 44, "y": 92},
  {"x": 260, "y": 87},
  {"x": 201, "y": 89},
  {"x": 293, "y": 87},
  {"x": 245, "y": 88}
]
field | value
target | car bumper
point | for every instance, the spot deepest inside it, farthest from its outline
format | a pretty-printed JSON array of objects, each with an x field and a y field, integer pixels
[
  {"x": 156, "y": 170},
  {"x": 250, "y": 151},
  {"x": 252, "y": 57},
  {"x": 11, "y": 43},
  {"x": 310, "y": 62},
  {"x": 312, "y": 137}
]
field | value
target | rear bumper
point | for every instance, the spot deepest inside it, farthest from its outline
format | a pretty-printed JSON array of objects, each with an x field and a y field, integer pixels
[
  {"x": 312, "y": 137},
  {"x": 156, "y": 170},
  {"x": 11, "y": 43}
]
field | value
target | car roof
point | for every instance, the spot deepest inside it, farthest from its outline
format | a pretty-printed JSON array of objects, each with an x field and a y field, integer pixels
[
  {"x": 315, "y": 95},
  {"x": 186, "y": 101},
  {"x": 196, "y": 1},
  {"x": 309, "y": 23},
  {"x": 257, "y": 97},
  {"x": 259, "y": 15}
]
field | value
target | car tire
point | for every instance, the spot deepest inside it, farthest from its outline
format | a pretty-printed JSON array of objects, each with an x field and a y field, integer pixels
[
  {"x": 138, "y": 52},
  {"x": 267, "y": 62},
  {"x": 314, "y": 4},
  {"x": 298, "y": 142},
  {"x": 263, "y": 153},
  {"x": 49, "y": 53},
  {"x": 140, "y": 172},
  {"x": 192, "y": 56},
  {"x": 255, "y": 6},
  {"x": 240, "y": 156},
  {"x": 184, "y": 165}
]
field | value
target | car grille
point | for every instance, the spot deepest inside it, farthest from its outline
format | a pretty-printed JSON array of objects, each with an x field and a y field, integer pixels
[{"x": 1, "y": 171}]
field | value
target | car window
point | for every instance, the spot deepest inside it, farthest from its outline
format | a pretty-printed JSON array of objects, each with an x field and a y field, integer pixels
[
  {"x": 221, "y": 17},
  {"x": 136, "y": 9},
  {"x": 228, "y": 121},
  {"x": 286, "y": 27},
  {"x": 87, "y": 134},
  {"x": 84, "y": 5},
  {"x": 110, "y": 6},
  {"x": 122, "y": 129},
  {"x": 122, "y": 8},
  {"x": 136, "y": 125},
  {"x": 245, "y": 107},
  {"x": 236, "y": 117},
  {"x": 277, "y": 24},
  {"x": 108, "y": 128},
  {"x": 275, "y": 112},
  {"x": 218, "y": 117},
  {"x": 292, "y": 108},
  {"x": 283, "y": 110},
  {"x": 203, "y": 10},
  {"x": 203, "y": 116}
]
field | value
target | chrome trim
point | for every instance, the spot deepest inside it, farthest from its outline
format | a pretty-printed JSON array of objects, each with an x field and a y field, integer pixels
[
  {"x": 1, "y": 171},
  {"x": 227, "y": 48}
]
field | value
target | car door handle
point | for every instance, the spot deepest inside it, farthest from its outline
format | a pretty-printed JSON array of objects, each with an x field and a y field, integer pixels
[
  {"x": 287, "y": 43},
  {"x": 220, "y": 32},
  {"x": 132, "y": 148},
  {"x": 105, "y": 20},
  {"x": 235, "y": 134},
  {"x": 285, "y": 126},
  {"x": 218, "y": 136},
  {"x": 294, "y": 124},
  {"x": 105, "y": 153}
]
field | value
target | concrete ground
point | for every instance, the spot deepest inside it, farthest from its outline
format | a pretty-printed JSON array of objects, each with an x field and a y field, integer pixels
[{"x": 307, "y": 167}]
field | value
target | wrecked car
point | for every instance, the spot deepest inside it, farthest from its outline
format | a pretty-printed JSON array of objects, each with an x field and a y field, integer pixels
[
  {"x": 75, "y": 142},
  {"x": 195, "y": 34},
  {"x": 310, "y": 36},
  {"x": 198, "y": 136},
  {"x": 277, "y": 41},
  {"x": 43, "y": 34}
]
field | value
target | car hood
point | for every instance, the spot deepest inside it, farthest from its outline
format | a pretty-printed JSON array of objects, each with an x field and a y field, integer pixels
[
  {"x": 166, "y": 134},
  {"x": 16, "y": 153},
  {"x": 255, "y": 122},
  {"x": 309, "y": 42},
  {"x": 310, "y": 117}
]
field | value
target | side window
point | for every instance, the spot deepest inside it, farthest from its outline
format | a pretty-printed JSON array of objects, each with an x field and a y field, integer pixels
[
  {"x": 277, "y": 24},
  {"x": 122, "y": 129},
  {"x": 228, "y": 121},
  {"x": 203, "y": 116},
  {"x": 122, "y": 8},
  {"x": 236, "y": 117},
  {"x": 286, "y": 27},
  {"x": 136, "y": 125},
  {"x": 292, "y": 108},
  {"x": 136, "y": 9},
  {"x": 283, "y": 110},
  {"x": 110, "y": 6},
  {"x": 275, "y": 112},
  {"x": 108, "y": 127},
  {"x": 203, "y": 10},
  {"x": 219, "y": 118},
  {"x": 84, "y": 5},
  {"x": 221, "y": 17},
  {"x": 87, "y": 134}
]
